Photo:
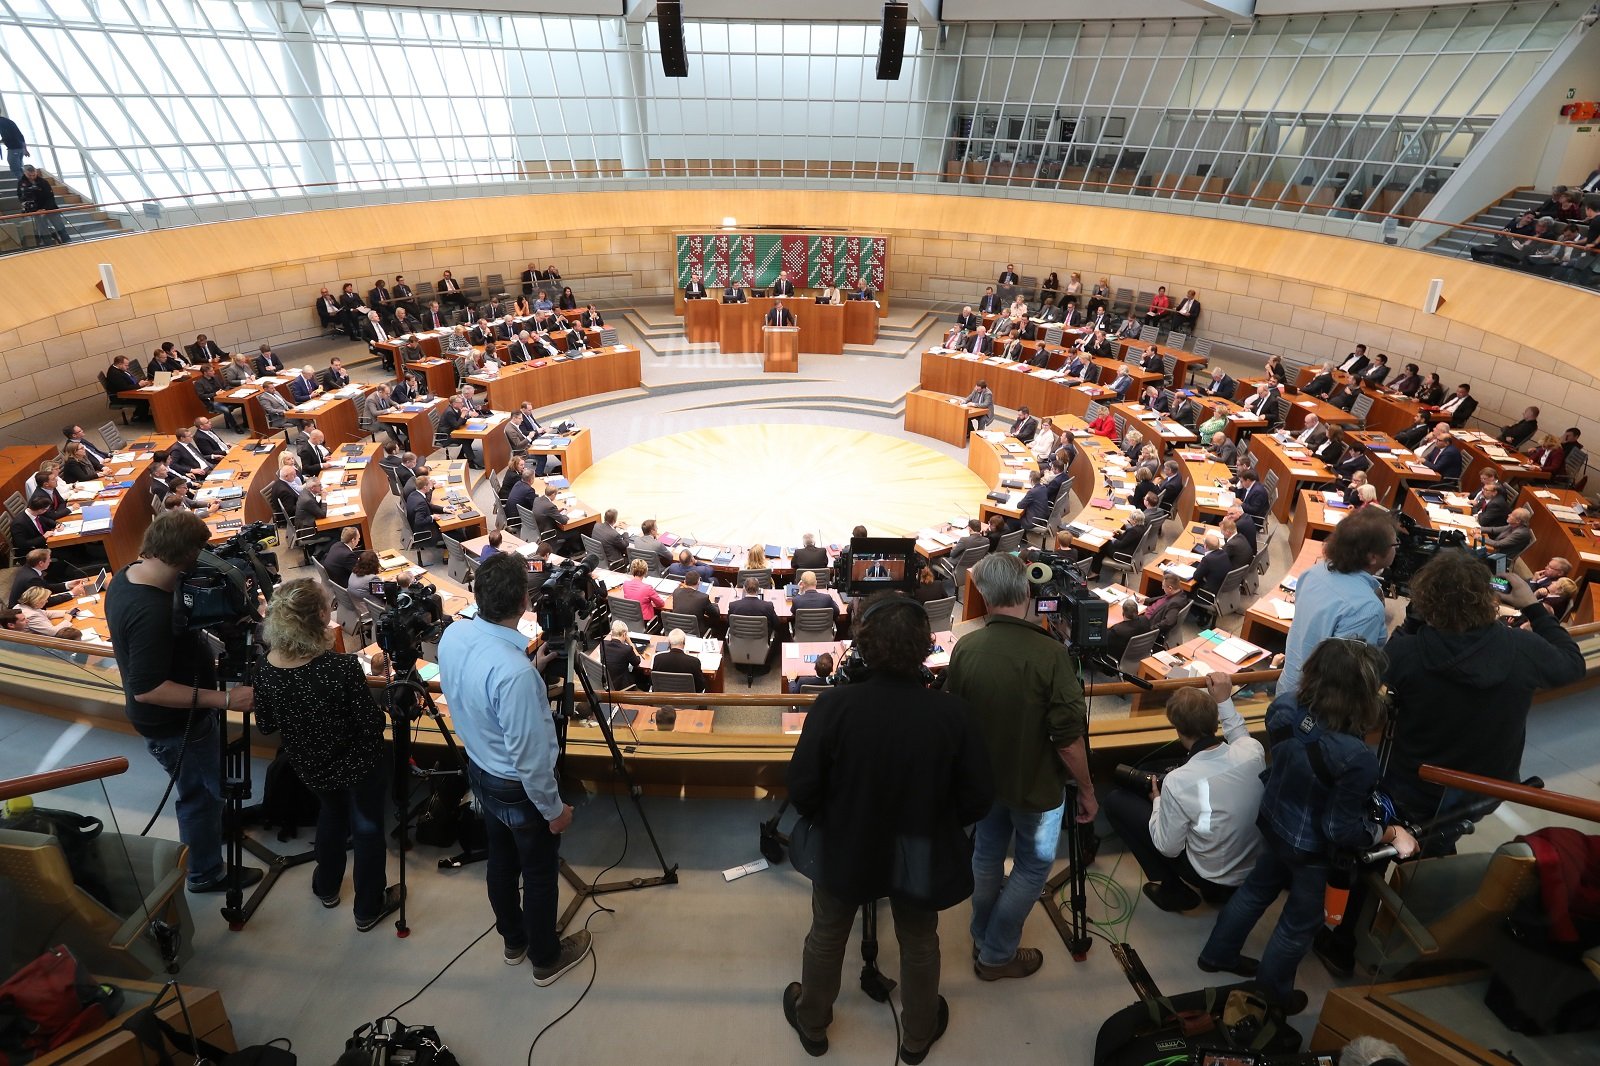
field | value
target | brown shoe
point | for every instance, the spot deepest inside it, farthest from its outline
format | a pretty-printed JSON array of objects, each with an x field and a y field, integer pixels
[{"x": 1025, "y": 963}]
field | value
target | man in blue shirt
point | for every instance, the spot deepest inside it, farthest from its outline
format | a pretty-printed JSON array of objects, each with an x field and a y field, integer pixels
[
  {"x": 1340, "y": 596},
  {"x": 501, "y": 712}
]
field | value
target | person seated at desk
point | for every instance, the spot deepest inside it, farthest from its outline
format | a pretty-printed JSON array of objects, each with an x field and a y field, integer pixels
[
  {"x": 335, "y": 377},
  {"x": 206, "y": 387},
  {"x": 591, "y": 318},
  {"x": 1167, "y": 609},
  {"x": 238, "y": 371},
  {"x": 75, "y": 465},
  {"x": 1222, "y": 449},
  {"x": 1322, "y": 384},
  {"x": 684, "y": 568},
  {"x": 267, "y": 362},
  {"x": 435, "y": 317},
  {"x": 1013, "y": 349},
  {"x": 284, "y": 492},
  {"x": 779, "y": 315},
  {"x": 1144, "y": 489},
  {"x": 568, "y": 300},
  {"x": 364, "y": 580},
  {"x": 312, "y": 453},
  {"x": 931, "y": 585},
  {"x": 340, "y": 560},
  {"x": 183, "y": 496},
  {"x": 1557, "y": 598},
  {"x": 1237, "y": 546},
  {"x": 1557, "y": 568},
  {"x": 1160, "y": 304},
  {"x": 1122, "y": 542},
  {"x": 1522, "y": 430},
  {"x": 1170, "y": 482},
  {"x": 1024, "y": 426},
  {"x": 638, "y": 589},
  {"x": 164, "y": 362},
  {"x": 303, "y": 386},
  {"x": 861, "y": 292},
  {"x": 378, "y": 295},
  {"x": 1253, "y": 496},
  {"x": 696, "y": 289},
  {"x": 309, "y": 509},
  {"x": 1078, "y": 367},
  {"x": 420, "y": 509},
  {"x": 646, "y": 540},
  {"x": 120, "y": 378},
  {"x": 1443, "y": 456},
  {"x": 783, "y": 286},
  {"x": 1104, "y": 424},
  {"x": 1134, "y": 623},
  {"x": 821, "y": 671},
  {"x": 1122, "y": 383},
  {"x": 1375, "y": 374},
  {"x": 523, "y": 493},
  {"x": 807, "y": 596},
  {"x": 211, "y": 446},
  {"x": 753, "y": 603},
  {"x": 734, "y": 293},
  {"x": 1493, "y": 501},
  {"x": 1220, "y": 384},
  {"x": 543, "y": 302},
  {"x": 1042, "y": 442},
  {"x": 829, "y": 295},
  {"x": 989, "y": 303},
  {"x": 184, "y": 456},
  {"x": 980, "y": 396},
  {"x": 37, "y": 620},
  {"x": 1511, "y": 539},
  {"x": 34, "y": 573},
  {"x": 48, "y": 484},
  {"x": 809, "y": 556},
  {"x": 550, "y": 519},
  {"x": 30, "y": 531},
  {"x": 675, "y": 660},
  {"x": 1214, "y": 564},
  {"x": 619, "y": 660}
]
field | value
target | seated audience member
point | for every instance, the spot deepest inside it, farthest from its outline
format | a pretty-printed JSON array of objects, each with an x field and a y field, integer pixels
[
  {"x": 1493, "y": 500},
  {"x": 646, "y": 540},
  {"x": 75, "y": 464},
  {"x": 364, "y": 578},
  {"x": 34, "y": 572},
  {"x": 752, "y": 602},
  {"x": 1511, "y": 539},
  {"x": 1214, "y": 564},
  {"x": 620, "y": 660},
  {"x": 1557, "y": 597},
  {"x": 640, "y": 590},
  {"x": 1194, "y": 833},
  {"x": 1557, "y": 568},
  {"x": 1253, "y": 496},
  {"x": 807, "y": 596},
  {"x": 809, "y": 556},
  {"x": 340, "y": 560},
  {"x": 1134, "y": 623},
  {"x": 1166, "y": 609},
  {"x": 822, "y": 670},
  {"x": 1407, "y": 383},
  {"x": 675, "y": 660},
  {"x": 1516, "y": 433},
  {"x": 42, "y": 622},
  {"x": 1123, "y": 542},
  {"x": 30, "y": 531}
]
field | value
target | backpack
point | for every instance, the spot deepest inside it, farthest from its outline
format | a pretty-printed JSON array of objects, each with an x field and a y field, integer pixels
[
  {"x": 286, "y": 802},
  {"x": 49, "y": 1002},
  {"x": 75, "y": 834}
]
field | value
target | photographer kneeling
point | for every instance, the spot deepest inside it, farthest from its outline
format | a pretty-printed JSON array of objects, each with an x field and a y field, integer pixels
[
  {"x": 887, "y": 773},
  {"x": 333, "y": 737},
  {"x": 1194, "y": 832}
]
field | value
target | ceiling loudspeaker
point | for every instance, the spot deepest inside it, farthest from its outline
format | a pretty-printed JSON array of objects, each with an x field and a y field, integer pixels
[
  {"x": 669, "y": 22},
  {"x": 892, "y": 45},
  {"x": 108, "y": 282},
  {"x": 1435, "y": 298}
]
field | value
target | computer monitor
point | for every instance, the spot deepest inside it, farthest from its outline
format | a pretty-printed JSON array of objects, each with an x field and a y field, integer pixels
[{"x": 881, "y": 564}]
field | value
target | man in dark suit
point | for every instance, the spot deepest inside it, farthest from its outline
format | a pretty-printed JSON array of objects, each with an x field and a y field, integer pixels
[
  {"x": 1313, "y": 434},
  {"x": 1071, "y": 317},
  {"x": 1220, "y": 384},
  {"x": 1446, "y": 460},
  {"x": 733, "y": 292},
  {"x": 1322, "y": 383},
  {"x": 96, "y": 455},
  {"x": 688, "y": 599},
  {"x": 336, "y": 376},
  {"x": 304, "y": 386},
  {"x": 402, "y": 296},
  {"x": 1253, "y": 495},
  {"x": 204, "y": 350},
  {"x": 449, "y": 290},
  {"x": 1235, "y": 544},
  {"x": 211, "y": 446},
  {"x": 1035, "y": 503},
  {"x": 1024, "y": 426},
  {"x": 120, "y": 378},
  {"x": 420, "y": 509},
  {"x": 979, "y": 343},
  {"x": 677, "y": 661},
  {"x": 29, "y": 531},
  {"x": 267, "y": 362},
  {"x": 696, "y": 289},
  {"x": 783, "y": 286},
  {"x": 1132, "y": 625},
  {"x": 990, "y": 303},
  {"x": 530, "y": 280},
  {"x": 591, "y": 318},
  {"x": 779, "y": 315},
  {"x": 967, "y": 321},
  {"x": 310, "y": 509},
  {"x": 284, "y": 492},
  {"x": 435, "y": 317},
  {"x": 313, "y": 453},
  {"x": 1122, "y": 542},
  {"x": 550, "y": 519},
  {"x": 1213, "y": 566},
  {"x": 492, "y": 310},
  {"x": 1170, "y": 486},
  {"x": 378, "y": 296},
  {"x": 1513, "y": 435},
  {"x": 1492, "y": 502},
  {"x": 1356, "y": 361},
  {"x": 809, "y": 556},
  {"x": 1103, "y": 320},
  {"x": 340, "y": 560},
  {"x": 1049, "y": 312},
  {"x": 1008, "y": 276},
  {"x": 521, "y": 349},
  {"x": 613, "y": 543},
  {"x": 1187, "y": 314},
  {"x": 350, "y": 309},
  {"x": 1013, "y": 349},
  {"x": 974, "y": 538},
  {"x": 861, "y": 291},
  {"x": 185, "y": 456},
  {"x": 34, "y": 571},
  {"x": 1375, "y": 374},
  {"x": 753, "y": 603},
  {"x": 1459, "y": 407},
  {"x": 522, "y": 494},
  {"x": 808, "y": 596}
]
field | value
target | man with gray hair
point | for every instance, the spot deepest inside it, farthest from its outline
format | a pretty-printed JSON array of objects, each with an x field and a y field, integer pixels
[{"x": 1031, "y": 711}]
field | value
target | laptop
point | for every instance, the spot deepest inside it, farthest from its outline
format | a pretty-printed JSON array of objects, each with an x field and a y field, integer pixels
[{"x": 97, "y": 584}]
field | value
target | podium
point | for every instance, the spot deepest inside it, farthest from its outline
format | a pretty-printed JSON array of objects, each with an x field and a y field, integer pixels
[
  {"x": 780, "y": 349},
  {"x": 701, "y": 321}
]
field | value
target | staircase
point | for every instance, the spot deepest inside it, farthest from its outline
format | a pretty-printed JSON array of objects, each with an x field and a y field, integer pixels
[
  {"x": 83, "y": 222},
  {"x": 1498, "y": 215}
]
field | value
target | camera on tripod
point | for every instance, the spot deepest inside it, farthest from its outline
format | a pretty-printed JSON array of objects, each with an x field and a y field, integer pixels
[
  {"x": 413, "y": 616},
  {"x": 564, "y": 598},
  {"x": 1059, "y": 590},
  {"x": 221, "y": 597},
  {"x": 1416, "y": 546}
]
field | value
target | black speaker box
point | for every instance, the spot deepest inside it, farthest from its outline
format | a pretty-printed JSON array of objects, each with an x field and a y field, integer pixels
[
  {"x": 892, "y": 48},
  {"x": 669, "y": 20}
]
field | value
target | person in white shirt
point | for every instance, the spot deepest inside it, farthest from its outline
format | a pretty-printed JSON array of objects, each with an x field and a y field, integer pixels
[
  {"x": 1194, "y": 835},
  {"x": 1044, "y": 441}
]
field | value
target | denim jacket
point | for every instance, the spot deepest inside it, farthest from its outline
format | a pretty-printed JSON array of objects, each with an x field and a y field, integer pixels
[{"x": 1317, "y": 813}]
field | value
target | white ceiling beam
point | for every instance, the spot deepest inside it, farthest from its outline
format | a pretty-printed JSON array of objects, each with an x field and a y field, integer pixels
[
  {"x": 638, "y": 10},
  {"x": 1242, "y": 12}
]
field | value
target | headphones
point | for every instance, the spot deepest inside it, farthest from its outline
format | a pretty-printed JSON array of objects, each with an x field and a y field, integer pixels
[{"x": 855, "y": 669}]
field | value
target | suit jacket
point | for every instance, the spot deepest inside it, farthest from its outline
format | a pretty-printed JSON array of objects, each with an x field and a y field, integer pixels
[
  {"x": 284, "y": 497},
  {"x": 1255, "y": 502},
  {"x": 76, "y": 470},
  {"x": 210, "y": 445},
  {"x": 1013, "y": 349},
  {"x": 27, "y": 535},
  {"x": 815, "y": 558},
  {"x": 332, "y": 380},
  {"x": 1211, "y": 569},
  {"x": 26, "y": 577},
  {"x": 339, "y": 562},
  {"x": 1024, "y": 428},
  {"x": 1407, "y": 384},
  {"x": 780, "y": 316},
  {"x": 521, "y": 494},
  {"x": 448, "y": 285},
  {"x": 1354, "y": 364},
  {"x": 308, "y": 511},
  {"x": 591, "y": 320},
  {"x": 419, "y": 513},
  {"x": 547, "y": 515},
  {"x": 119, "y": 380},
  {"x": 1517, "y": 432},
  {"x": 1319, "y": 386},
  {"x": 310, "y": 459},
  {"x": 983, "y": 345},
  {"x": 209, "y": 350},
  {"x": 686, "y": 600},
  {"x": 1492, "y": 510},
  {"x": 1118, "y": 636},
  {"x": 989, "y": 305},
  {"x": 266, "y": 366},
  {"x": 378, "y": 298},
  {"x": 301, "y": 390},
  {"x": 1224, "y": 386},
  {"x": 653, "y": 545},
  {"x": 969, "y": 323},
  {"x": 1510, "y": 541},
  {"x": 1463, "y": 411},
  {"x": 1313, "y": 438},
  {"x": 1007, "y": 277},
  {"x": 1171, "y": 489},
  {"x": 1446, "y": 461},
  {"x": 1165, "y": 612},
  {"x": 674, "y": 661},
  {"x": 1035, "y": 505},
  {"x": 1374, "y": 375},
  {"x": 783, "y": 288},
  {"x": 734, "y": 294},
  {"x": 1238, "y": 550},
  {"x": 234, "y": 375},
  {"x": 612, "y": 543},
  {"x": 1187, "y": 309},
  {"x": 756, "y": 605},
  {"x": 185, "y": 458},
  {"x": 816, "y": 599}
]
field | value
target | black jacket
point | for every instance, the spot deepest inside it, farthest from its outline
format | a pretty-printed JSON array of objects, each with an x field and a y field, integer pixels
[
  {"x": 890, "y": 774},
  {"x": 1464, "y": 698}
]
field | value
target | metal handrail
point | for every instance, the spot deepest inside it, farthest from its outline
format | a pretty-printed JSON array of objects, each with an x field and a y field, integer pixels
[
  {"x": 1554, "y": 802},
  {"x": 806, "y": 173}
]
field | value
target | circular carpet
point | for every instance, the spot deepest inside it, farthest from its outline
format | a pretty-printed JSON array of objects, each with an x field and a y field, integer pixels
[{"x": 769, "y": 484}]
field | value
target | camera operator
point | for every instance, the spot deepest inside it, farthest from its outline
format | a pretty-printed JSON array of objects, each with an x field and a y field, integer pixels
[
  {"x": 333, "y": 737},
  {"x": 169, "y": 681},
  {"x": 888, "y": 773},
  {"x": 1196, "y": 828},
  {"x": 1031, "y": 712},
  {"x": 1316, "y": 804},
  {"x": 501, "y": 712},
  {"x": 1462, "y": 684}
]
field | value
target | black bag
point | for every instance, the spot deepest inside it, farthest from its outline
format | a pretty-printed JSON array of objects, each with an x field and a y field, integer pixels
[
  {"x": 390, "y": 1041},
  {"x": 75, "y": 833},
  {"x": 1167, "y": 1028},
  {"x": 157, "y": 1033},
  {"x": 286, "y": 802}
]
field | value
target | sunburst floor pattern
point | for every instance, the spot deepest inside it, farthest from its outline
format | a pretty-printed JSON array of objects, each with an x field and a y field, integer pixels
[{"x": 769, "y": 484}]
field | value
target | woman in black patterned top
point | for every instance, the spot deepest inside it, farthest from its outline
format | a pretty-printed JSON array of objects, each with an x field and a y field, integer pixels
[{"x": 333, "y": 737}]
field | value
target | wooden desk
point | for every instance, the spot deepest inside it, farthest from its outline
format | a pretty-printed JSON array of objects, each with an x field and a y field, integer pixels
[
  {"x": 1302, "y": 405},
  {"x": 130, "y": 507},
  {"x": 938, "y": 415},
  {"x": 1044, "y": 393},
  {"x": 1390, "y": 412},
  {"x": 245, "y": 396},
  {"x": 1578, "y": 542},
  {"x": 1110, "y": 368},
  {"x": 1185, "y": 365},
  {"x": 777, "y": 597},
  {"x": 452, "y": 489},
  {"x": 335, "y": 415},
  {"x": 1205, "y": 496},
  {"x": 1314, "y": 519},
  {"x": 1185, "y": 550},
  {"x": 1238, "y": 420},
  {"x": 1152, "y": 426},
  {"x": 491, "y": 432},
  {"x": 173, "y": 405},
  {"x": 544, "y": 382},
  {"x": 861, "y": 321},
  {"x": 18, "y": 464},
  {"x": 701, "y": 321},
  {"x": 354, "y": 486},
  {"x": 439, "y": 375},
  {"x": 1262, "y": 623},
  {"x": 413, "y": 418},
  {"x": 780, "y": 349},
  {"x": 249, "y": 466},
  {"x": 1296, "y": 468},
  {"x": 1483, "y": 451},
  {"x": 794, "y": 664},
  {"x": 576, "y": 456},
  {"x": 1200, "y": 649},
  {"x": 1391, "y": 468},
  {"x": 710, "y": 654}
]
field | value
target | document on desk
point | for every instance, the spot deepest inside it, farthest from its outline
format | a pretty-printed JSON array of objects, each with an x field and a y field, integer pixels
[
  {"x": 1235, "y": 650},
  {"x": 1283, "y": 608}
]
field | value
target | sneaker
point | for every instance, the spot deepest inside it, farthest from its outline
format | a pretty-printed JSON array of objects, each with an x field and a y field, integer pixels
[
  {"x": 911, "y": 1058},
  {"x": 1025, "y": 963},
  {"x": 329, "y": 902},
  {"x": 1243, "y": 966},
  {"x": 573, "y": 950},
  {"x": 815, "y": 1047},
  {"x": 393, "y": 896},
  {"x": 248, "y": 875},
  {"x": 1338, "y": 953},
  {"x": 513, "y": 956},
  {"x": 1169, "y": 896}
]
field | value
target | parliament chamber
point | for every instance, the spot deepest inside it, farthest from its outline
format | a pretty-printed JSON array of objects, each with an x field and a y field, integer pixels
[{"x": 787, "y": 351}]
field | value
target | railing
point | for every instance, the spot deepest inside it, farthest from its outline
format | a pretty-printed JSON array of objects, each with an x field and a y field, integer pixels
[
  {"x": 70, "y": 775},
  {"x": 154, "y": 213}
]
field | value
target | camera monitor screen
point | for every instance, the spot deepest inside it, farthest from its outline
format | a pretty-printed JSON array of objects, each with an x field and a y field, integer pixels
[{"x": 878, "y": 564}]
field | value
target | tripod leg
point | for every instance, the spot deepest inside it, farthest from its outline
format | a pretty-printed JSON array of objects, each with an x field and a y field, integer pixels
[{"x": 873, "y": 982}]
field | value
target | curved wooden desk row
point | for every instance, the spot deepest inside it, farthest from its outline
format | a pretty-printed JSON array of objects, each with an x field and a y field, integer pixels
[{"x": 824, "y": 328}]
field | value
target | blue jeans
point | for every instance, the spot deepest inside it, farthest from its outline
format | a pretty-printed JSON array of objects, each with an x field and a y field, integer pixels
[
  {"x": 14, "y": 160},
  {"x": 521, "y": 848},
  {"x": 199, "y": 793},
  {"x": 352, "y": 814},
  {"x": 1278, "y": 867},
  {"x": 998, "y": 913}
]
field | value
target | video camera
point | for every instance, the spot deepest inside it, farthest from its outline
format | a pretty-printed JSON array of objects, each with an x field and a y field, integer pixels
[
  {"x": 1416, "y": 546},
  {"x": 565, "y": 597},
  {"x": 881, "y": 564},
  {"x": 413, "y": 615},
  {"x": 1060, "y": 590},
  {"x": 221, "y": 597}
]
